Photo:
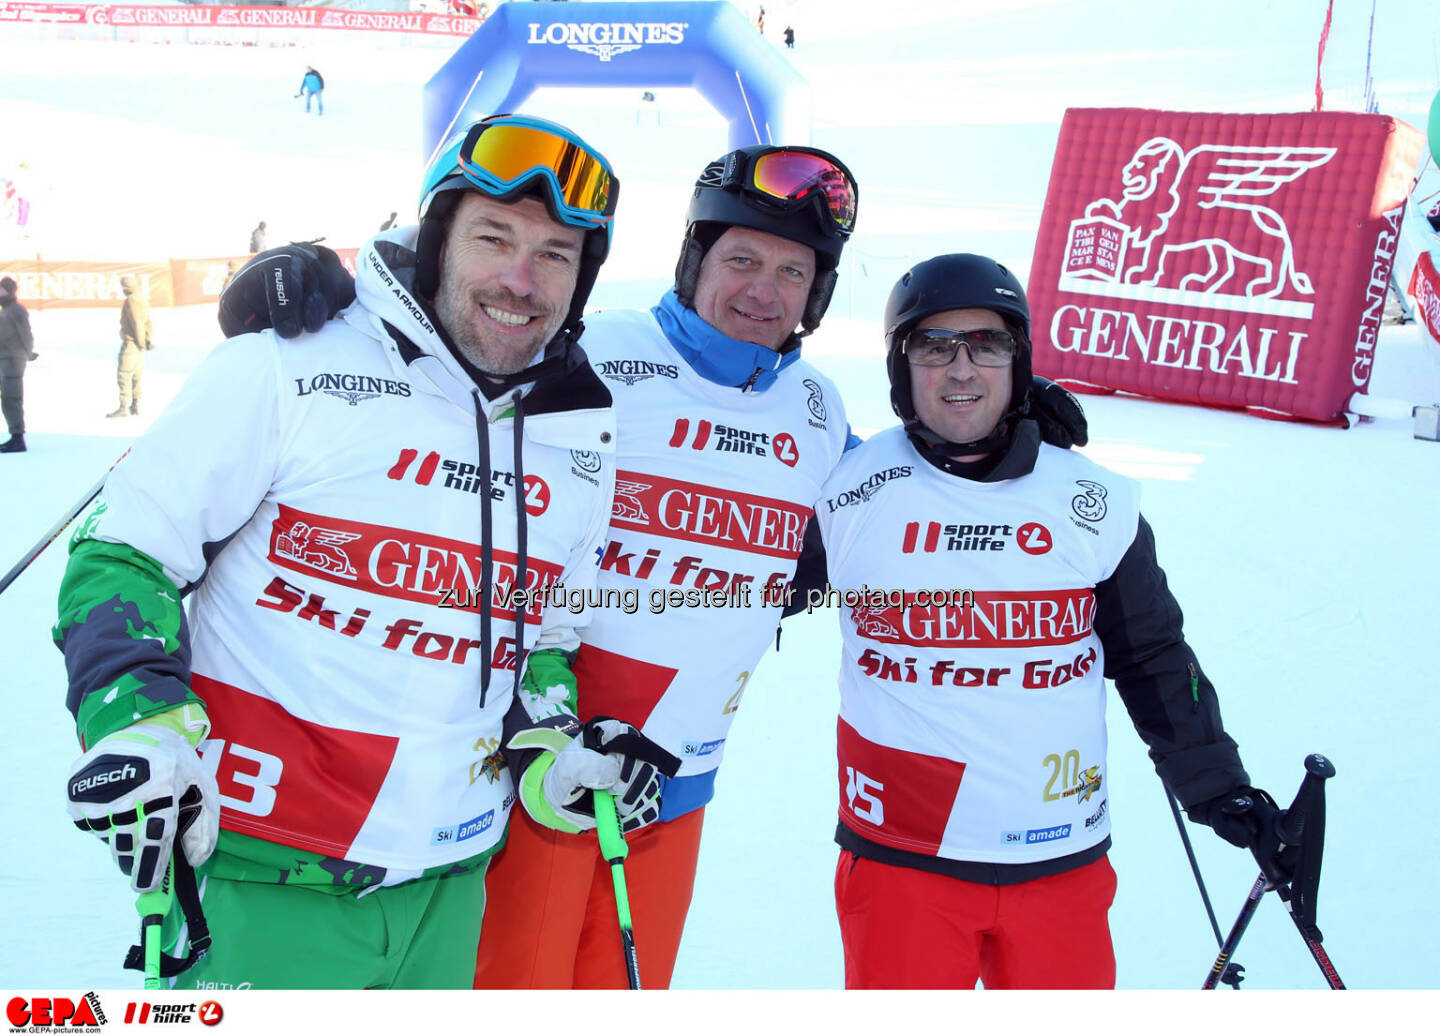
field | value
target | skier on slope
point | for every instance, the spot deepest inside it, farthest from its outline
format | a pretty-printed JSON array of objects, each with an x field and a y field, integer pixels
[
  {"x": 719, "y": 417},
  {"x": 354, "y": 721},
  {"x": 974, "y": 794}
]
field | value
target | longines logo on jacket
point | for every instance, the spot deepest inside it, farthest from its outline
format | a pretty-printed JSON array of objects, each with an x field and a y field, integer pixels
[
  {"x": 353, "y": 388},
  {"x": 631, "y": 371},
  {"x": 865, "y": 490}
]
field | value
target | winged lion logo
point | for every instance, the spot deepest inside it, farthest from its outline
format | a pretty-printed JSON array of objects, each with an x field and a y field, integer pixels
[
  {"x": 317, "y": 548},
  {"x": 627, "y": 501},
  {"x": 1161, "y": 232}
]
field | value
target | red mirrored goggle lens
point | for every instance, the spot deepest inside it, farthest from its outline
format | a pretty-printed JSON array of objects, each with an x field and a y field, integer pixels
[
  {"x": 793, "y": 175},
  {"x": 508, "y": 152}
]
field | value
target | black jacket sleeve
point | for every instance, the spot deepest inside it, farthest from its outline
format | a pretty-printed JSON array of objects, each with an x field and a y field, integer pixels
[
  {"x": 1170, "y": 701},
  {"x": 810, "y": 572}
]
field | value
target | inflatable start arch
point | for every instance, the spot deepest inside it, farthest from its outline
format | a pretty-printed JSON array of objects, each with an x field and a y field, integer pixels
[{"x": 708, "y": 46}]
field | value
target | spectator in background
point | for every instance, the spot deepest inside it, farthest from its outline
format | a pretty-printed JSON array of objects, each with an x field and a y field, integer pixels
[
  {"x": 389, "y": 222},
  {"x": 313, "y": 85},
  {"x": 760, "y": 22},
  {"x": 258, "y": 238},
  {"x": 789, "y": 38},
  {"x": 136, "y": 338},
  {"x": 17, "y": 345}
]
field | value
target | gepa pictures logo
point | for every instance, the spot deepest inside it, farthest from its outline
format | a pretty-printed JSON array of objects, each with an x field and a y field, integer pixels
[{"x": 44, "y": 1013}]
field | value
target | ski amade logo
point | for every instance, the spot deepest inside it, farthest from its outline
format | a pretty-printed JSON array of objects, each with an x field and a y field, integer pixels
[{"x": 47, "y": 1013}]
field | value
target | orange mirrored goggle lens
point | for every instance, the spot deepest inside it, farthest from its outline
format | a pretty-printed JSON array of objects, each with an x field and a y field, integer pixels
[
  {"x": 792, "y": 175},
  {"x": 508, "y": 152}
]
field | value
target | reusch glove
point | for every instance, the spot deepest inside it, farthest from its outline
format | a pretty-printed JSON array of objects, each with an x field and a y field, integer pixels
[
  {"x": 140, "y": 787},
  {"x": 606, "y": 755},
  {"x": 1058, "y": 413},
  {"x": 294, "y": 288},
  {"x": 1248, "y": 818}
]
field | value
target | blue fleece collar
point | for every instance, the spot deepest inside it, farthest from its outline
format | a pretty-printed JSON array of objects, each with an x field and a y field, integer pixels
[{"x": 716, "y": 356}]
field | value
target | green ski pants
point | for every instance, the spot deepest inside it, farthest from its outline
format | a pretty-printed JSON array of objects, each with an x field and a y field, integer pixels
[{"x": 419, "y": 935}]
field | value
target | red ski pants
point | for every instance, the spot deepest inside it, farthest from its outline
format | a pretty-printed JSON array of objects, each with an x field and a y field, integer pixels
[{"x": 909, "y": 929}]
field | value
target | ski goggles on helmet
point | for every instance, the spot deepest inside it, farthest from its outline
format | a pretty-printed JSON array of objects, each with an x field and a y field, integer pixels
[
  {"x": 504, "y": 152},
  {"x": 791, "y": 176},
  {"x": 938, "y": 347}
]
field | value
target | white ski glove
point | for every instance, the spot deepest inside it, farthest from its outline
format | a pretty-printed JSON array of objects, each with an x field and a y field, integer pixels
[
  {"x": 558, "y": 787},
  {"x": 139, "y": 787}
]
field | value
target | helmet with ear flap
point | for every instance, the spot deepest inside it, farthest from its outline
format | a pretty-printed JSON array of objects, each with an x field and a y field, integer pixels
[{"x": 946, "y": 282}]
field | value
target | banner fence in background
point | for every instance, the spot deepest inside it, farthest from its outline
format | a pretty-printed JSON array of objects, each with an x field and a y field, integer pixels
[{"x": 194, "y": 16}]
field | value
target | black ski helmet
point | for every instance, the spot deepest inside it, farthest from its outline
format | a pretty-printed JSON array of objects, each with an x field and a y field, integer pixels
[
  {"x": 721, "y": 200},
  {"x": 447, "y": 177},
  {"x": 959, "y": 281}
]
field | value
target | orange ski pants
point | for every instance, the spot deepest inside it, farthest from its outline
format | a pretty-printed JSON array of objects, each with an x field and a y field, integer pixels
[{"x": 550, "y": 920}]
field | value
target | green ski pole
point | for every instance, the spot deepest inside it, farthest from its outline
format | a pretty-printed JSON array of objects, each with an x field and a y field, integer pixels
[
  {"x": 152, "y": 908},
  {"x": 614, "y": 850}
]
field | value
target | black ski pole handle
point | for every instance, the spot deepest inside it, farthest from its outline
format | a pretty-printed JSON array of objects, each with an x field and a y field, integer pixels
[{"x": 1318, "y": 770}]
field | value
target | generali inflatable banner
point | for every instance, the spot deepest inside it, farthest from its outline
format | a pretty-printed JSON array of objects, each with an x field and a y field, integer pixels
[{"x": 1226, "y": 260}]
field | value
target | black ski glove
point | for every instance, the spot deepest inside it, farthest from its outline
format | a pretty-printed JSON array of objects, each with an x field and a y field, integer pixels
[
  {"x": 1057, "y": 411},
  {"x": 1249, "y": 818},
  {"x": 293, "y": 288}
]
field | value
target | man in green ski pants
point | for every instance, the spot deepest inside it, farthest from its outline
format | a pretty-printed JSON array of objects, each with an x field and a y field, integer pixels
[{"x": 370, "y": 669}]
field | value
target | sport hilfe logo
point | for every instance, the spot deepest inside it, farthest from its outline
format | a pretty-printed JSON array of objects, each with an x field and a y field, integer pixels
[
  {"x": 728, "y": 439},
  {"x": 142, "y": 1013},
  {"x": 929, "y": 537}
]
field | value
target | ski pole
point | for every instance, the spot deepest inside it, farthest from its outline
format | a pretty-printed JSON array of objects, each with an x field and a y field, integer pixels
[
  {"x": 1233, "y": 973},
  {"x": 152, "y": 908},
  {"x": 614, "y": 850},
  {"x": 1307, "y": 809},
  {"x": 148, "y": 956},
  {"x": 1220, "y": 971},
  {"x": 1309, "y": 812},
  {"x": 57, "y": 528}
]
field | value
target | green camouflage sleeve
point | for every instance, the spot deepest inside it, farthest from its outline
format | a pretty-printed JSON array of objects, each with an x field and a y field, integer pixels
[{"x": 124, "y": 636}]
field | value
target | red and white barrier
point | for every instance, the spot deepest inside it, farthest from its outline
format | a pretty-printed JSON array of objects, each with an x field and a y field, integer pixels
[
  {"x": 1425, "y": 290},
  {"x": 1225, "y": 260}
]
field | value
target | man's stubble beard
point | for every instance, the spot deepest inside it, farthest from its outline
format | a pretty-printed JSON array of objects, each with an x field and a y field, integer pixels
[{"x": 456, "y": 309}]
